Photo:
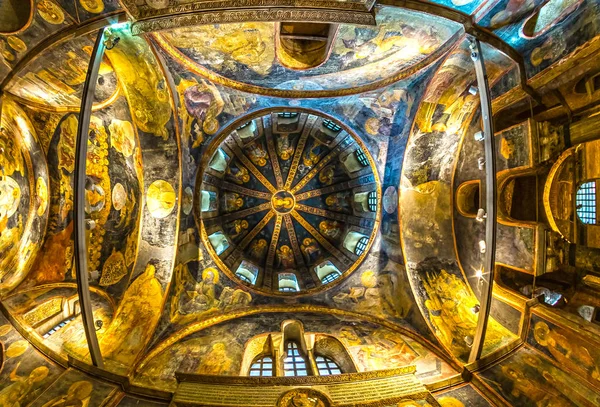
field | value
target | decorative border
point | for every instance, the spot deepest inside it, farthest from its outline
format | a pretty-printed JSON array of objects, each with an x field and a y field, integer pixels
[
  {"x": 256, "y": 15},
  {"x": 296, "y": 380}
]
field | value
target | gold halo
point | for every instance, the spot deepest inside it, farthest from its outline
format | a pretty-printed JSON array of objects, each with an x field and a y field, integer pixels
[
  {"x": 17, "y": 348},
  {"x": 92, "y": 6},
  {"x": 214, "y": 272},
  {"x": 160, "y": 199}
]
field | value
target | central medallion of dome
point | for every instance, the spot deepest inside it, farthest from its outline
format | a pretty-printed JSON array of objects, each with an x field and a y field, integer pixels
[
  {"x": 283, "y": 202},
  {"x": 289, "y": 202}
]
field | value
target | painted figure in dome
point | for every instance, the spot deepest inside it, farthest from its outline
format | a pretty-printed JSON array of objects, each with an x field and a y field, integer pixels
[
  {"x": 238, "y": 174},
  {"x": 258, "y": 249},
  {"x": 284, "y": 148},
  {"x": 285, "y": 257},
  {"x": 257, "y": 154},
  {"x": 237, "y": 227},
  {"x": 310, "y": 250},
  {"x": 331, "y": 229}
]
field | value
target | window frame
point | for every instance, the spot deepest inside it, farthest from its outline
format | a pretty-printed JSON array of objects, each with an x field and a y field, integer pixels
[
  {"x": 586, "y": 195},
  {"x": 327, "y": 369},
  {"x": 260, "y": 369},
  {"x": 298, "y": 362},
  {"x": 361, "y": 245}
]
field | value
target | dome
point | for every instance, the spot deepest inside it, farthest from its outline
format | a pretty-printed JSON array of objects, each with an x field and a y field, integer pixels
[
  {"x": 323, "y": 203},
  {"x": 289, "y": 201}
]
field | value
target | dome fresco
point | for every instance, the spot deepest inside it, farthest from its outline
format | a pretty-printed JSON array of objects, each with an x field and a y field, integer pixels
[{"x": 289, "y": 204}]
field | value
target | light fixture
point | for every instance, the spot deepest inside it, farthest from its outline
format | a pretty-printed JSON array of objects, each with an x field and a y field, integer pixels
[
  {"x": 479, "y": 273},
  {"x": 473, "y": 90},
  {"x": 479, "y": 136},
  {"x": 481, "y": 215},
  {"x": 482, "y": 246},
  {"x": 469, "y": 340},
  {"x": 481, "y": 163},
  {"x": 90, "y": 224}
]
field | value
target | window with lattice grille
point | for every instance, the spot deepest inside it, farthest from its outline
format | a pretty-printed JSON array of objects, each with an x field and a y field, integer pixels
[
  {"x": 361, "y": 157},
  {"x": 585, "y": 202},
  {"x": 294, "y": 363},
  {"x": 361, "y": 246},
  {"x": 331, "y": 126},
  {"x": 372, "y": 201},
  {"x": 262, "y": 367},
  {"x": 287, "y": 115},
  {"x": 326, "y": 366}
]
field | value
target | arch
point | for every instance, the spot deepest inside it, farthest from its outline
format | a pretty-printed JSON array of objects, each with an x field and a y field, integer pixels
[
  {"x": 518, "y": 198},
  {"x": 468, "y": 198},
  {"x": 16, "y": 15},
  {"x": 548, "y": 16},
  {"x": 330, "y": 347}
]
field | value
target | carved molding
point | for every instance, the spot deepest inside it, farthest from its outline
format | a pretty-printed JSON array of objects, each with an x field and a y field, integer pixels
[
  {"x": 144, "y": 11},
  {"x": 258, "y": 15}
]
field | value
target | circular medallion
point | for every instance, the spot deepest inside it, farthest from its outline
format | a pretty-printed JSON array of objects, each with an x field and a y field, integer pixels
[
  {"x": 119, "y": 196},
  {"x": 160, "y": 199},
  {"x": 390, "y": 200},
  {"x": 289, "y": 202},
  {"x": 283, "y": 202},
  {"x": 51, "y": 12}
]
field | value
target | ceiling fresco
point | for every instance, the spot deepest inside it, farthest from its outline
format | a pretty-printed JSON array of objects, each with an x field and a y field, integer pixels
[
  {"x": 244, "y": 55},
  {"x": 289, "y": 195},
  {"x": 230, "y": 193}
]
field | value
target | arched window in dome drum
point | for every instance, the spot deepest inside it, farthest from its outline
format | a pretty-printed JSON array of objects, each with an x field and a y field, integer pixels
[
  {"x": 330, "y": 277},
  {"x": 585, "y": 201},
  {"x": 327, "y": 367},
  {"x": 294, "y": 363},
  {"x": 288, "y": 283},
  {"x": 372, "y": 200},
  {"x": 361, "y": 157},
  {"x": 287, "y": 115},
  {"x": 331, "y": 125},
  {"x": 361, "y": 246},
  {"x": 262, "y": 366}
]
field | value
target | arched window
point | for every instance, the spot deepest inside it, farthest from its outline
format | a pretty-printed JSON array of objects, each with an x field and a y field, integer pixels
[
  {"x": 288, "y": 283},
  {"x": 58, "y": 327},
  {"x": 585, "y": 202},
  {"x": 330, "y": 277},
  {"x": 372, "y": 201},
  {"x": 326, "y": 366},
  {"x": 361, "y": 246},
  {"x": 328, "y": 124},
  {"x": 262, "y": 366},
  {"x": 287, "y": 115},
  {"x": 247, "y": 272},
  {"x": 294, "y": 363},
  {"x": 361, "y": 157}
]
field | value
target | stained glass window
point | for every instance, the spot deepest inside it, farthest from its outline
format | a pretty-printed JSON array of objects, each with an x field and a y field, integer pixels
[
  {"x": 585, "y": 201},
  {"x": 361, "y": 245},
  {"x": 327, "y": 366},
  {"x": 331, "y": 125},
  {"x": 262, "y": 367},
  {"x": 294, "y": 363},
  {"x": 361, "y": 157}
]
